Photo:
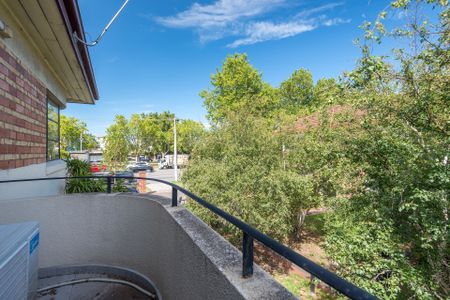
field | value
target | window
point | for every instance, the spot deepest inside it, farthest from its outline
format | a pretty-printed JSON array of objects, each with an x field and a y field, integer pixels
[{"x": 52, "y": 131}]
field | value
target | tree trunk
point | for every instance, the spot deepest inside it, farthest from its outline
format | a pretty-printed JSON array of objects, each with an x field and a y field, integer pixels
[
  {"x": 312, "y": 286},
  {"x": 301, "y": 215}
]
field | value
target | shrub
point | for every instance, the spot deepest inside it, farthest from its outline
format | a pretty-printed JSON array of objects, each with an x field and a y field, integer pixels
[{"x": 76, "y": 168}]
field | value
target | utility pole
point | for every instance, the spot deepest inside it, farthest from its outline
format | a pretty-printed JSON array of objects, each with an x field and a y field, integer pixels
[
  {"x": 175, "y": 155},
  {"x": 81, "y": 141}
]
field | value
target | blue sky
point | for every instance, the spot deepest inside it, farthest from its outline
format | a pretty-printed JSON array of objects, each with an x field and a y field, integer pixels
[{"x": 159, "y": 55}]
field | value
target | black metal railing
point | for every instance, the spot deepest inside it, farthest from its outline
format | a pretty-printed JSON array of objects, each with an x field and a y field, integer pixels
[{"x": 249, "y": 234}]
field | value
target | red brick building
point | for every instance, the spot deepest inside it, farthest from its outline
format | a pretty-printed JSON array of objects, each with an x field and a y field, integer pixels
[{"x": 42, "y": 68}]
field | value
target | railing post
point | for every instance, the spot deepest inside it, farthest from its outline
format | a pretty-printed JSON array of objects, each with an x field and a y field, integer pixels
[
  {"x": 247, "y": 252},
  {"x": 108, "y": 184},
  {"x": 174, "y": 197}
]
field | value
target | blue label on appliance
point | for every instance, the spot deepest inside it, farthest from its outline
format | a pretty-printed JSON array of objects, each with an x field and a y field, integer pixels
[{"x": 34, "y": 242}]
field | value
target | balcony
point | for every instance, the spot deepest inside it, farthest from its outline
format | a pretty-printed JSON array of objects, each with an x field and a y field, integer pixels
[{"x": 155, "y": 248}]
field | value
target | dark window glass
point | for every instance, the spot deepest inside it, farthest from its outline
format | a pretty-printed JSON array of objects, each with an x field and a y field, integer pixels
[{"x": 52, "y": 131}]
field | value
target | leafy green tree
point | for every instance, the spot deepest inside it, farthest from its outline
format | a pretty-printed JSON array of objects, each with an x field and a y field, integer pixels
[
  {"x": 71, "y": 130},
  {"x": 237, "y": 86},
  {"x": 136, "y": 135},
  {"x": 391, "y": 235},
  {"x": 373, "y": 149},
  {"x": 327, "y": 92},
  {"x": 144, "y": 133},
  {"x": 152, "y": 134},
  {"x": 239, "y": 167},
  {"x": 189, "y": 133},
  {"x": 117, "y": 144},
  {"x": 164, "y": 141},
  {"x": 149, "y": 134},
  {"x": 297, "y": 91}
]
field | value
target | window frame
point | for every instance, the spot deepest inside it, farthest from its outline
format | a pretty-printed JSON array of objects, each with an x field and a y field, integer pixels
[{"x": 58, "y": 123}]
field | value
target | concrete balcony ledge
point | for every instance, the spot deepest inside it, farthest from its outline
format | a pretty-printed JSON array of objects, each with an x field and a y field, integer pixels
[{"x": 181, "y": 255}]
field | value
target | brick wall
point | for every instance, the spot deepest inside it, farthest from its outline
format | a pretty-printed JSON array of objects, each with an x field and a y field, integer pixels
[{"x": 23, "y": 114}]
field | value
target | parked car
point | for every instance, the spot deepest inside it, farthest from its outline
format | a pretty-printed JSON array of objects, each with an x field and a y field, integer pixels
[
  {"x": 140, "y": 166},
  {"x": 144, "y": 158},
  {"x": 134, "y": 164},
  {"x": 98, "y": 167}
]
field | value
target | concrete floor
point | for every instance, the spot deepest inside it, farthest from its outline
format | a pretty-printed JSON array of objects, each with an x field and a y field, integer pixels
[{"x": 88, "y": 290}]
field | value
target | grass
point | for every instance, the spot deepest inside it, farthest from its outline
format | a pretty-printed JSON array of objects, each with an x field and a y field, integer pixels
[
  {"x": 294, "y": 283},
  {"x": 299, "y": 287}
]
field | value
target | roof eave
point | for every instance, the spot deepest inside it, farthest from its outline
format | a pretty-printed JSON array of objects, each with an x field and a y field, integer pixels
[{"x": 70, "y": 13}]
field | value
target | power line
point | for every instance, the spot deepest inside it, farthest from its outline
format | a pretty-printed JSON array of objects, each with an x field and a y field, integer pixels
[{"x": 97, "y": 40}]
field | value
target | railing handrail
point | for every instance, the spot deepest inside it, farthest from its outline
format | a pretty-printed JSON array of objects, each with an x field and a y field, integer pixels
[{"x": 343, "y": 286}]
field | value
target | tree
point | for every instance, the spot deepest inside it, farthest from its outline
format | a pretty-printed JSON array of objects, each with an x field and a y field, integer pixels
[
  {"x": 117, "y": 143},
  {"x": 152, "y": 126},
  {"x": 391, "y": 236},
  {"x": 297, "y": 91},
  {"x": 144, "y": 133},
  {"x": 373, "y": 149},
  {"x": 148, "y": 134},
  {"x": 152, "y": 134},
  {"x": 327, "y": 92},
  {"x": 136, "y": 135},
  {"x": 189, "y": 134},
  {"x": 164, "y": 141},
  {"x": 71, "y": 130},
  {"x": 238, "y": 86},
  {"x": 238, "y": 166}
]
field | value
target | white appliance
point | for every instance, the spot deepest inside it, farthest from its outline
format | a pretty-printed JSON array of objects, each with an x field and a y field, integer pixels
[{"x": 19, "y": 247}]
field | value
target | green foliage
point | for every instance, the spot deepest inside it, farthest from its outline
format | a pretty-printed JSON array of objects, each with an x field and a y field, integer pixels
[
  {"x": 297, "y": 90},
  {"x": 117, "y": 144},
  {"x": 156, "y": 130},
  {"x": 392, "y": 235},
  {"x": 78, "y": 168},
  {"x": 148, "y": 134},
  {"x": 189, "y": 133},
  {"x": 237, "y": 87},
  {"x": 327, "y": 92},
  {"x": 373, "y": 149},
  {"x": 239, "y": 167},
  {"x": 300, "y": 287},
  {"x": 71, "y": 129},
  {"x": 119, "y": 186}
]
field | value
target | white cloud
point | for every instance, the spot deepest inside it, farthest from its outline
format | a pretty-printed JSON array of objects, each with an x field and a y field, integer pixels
[
  {"x": 244, "y": 19},
  {"x": 336, "y": 21},
  {"x": 219, "y": 14},
  {"x": 308, "y": 12},
  {"x": 265, "y": 31}
]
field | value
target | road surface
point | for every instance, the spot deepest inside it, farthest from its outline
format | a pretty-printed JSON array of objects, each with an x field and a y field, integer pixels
[{"x": 160, "y": 188}]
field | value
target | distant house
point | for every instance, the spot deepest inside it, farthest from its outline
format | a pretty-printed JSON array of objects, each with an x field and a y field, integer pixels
[
  {"x": 94, "y": 156},
  {"x": 42, "y": 68},
  {"x": 101, "y": 141}
]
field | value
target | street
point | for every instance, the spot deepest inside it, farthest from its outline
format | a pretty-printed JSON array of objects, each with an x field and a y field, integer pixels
[{"x": 157, "y": 187}]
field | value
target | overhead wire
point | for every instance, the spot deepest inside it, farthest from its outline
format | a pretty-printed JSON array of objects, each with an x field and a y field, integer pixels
[{"x": 100, "y": 36}]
